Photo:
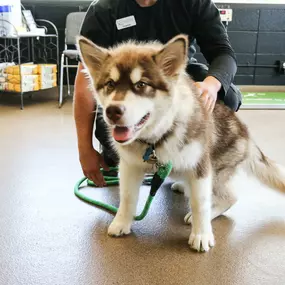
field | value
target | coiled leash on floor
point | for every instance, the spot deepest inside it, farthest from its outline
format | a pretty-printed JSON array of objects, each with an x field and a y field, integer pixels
[{"x": 163, "y": 170}]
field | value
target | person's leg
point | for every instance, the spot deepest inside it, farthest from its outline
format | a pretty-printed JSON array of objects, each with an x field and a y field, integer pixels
[
  {"x": 101, "y": 133},
  {"x": 233, "y": 98}
]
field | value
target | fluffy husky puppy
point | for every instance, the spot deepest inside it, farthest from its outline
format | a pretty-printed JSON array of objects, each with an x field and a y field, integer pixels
[{"x": 149, "y": 100}]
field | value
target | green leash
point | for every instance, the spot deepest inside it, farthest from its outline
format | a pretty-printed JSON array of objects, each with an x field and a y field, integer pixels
[
  {"x": 114, "y": 180},
  {"x": 155, "y": 182}
]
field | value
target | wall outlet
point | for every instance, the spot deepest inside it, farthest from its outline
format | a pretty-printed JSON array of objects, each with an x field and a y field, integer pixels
[{"x": 226, "y": 15}]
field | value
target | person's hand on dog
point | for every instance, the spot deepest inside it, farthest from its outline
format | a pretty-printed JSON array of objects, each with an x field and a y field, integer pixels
[
  {"x": 91, "y": 162},
  {"x": 209, "y": 89}
]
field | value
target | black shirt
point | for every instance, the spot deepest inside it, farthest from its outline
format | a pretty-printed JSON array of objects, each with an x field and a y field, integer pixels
[{"x": 199, "y": 19}]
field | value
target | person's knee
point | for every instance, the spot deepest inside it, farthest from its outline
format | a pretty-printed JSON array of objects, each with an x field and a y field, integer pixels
[
  {"x": 102, "y": 134},
  {"x": 233, "y": 98}
]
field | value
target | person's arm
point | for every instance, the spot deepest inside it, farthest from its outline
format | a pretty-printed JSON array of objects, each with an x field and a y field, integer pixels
[
  {"x": 84, "y": 107},
  {"x": 214, "y": 43},
  {"x": 212, "y": 38},
  {"x": 97, "y": 28}
]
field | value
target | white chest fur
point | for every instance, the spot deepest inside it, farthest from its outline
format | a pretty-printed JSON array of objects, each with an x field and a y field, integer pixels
[{"x": 182, "y": 158}]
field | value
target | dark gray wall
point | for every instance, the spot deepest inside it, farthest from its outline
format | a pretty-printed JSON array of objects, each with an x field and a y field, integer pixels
[{"x": 257, "y": 34}]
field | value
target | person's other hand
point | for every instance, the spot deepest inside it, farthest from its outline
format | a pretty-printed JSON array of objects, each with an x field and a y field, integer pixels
[
  {"x": 209, "y": 89},
  {"x": 91, "y": 162}
]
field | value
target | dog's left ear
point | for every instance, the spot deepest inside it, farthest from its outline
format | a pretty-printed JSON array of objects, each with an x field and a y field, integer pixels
[
  {"x": 92, "y": 55},
  {"x": 172, "y": 58}
]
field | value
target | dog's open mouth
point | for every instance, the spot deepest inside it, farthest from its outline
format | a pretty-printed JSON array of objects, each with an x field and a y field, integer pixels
[{"x": 123, "y": 134}]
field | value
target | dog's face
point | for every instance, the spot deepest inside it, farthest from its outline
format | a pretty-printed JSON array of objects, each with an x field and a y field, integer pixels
[{"x": 133, "y": 82}]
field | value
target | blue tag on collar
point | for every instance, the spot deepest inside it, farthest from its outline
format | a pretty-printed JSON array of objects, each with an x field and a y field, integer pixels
[{"x": 148, "y": 153}]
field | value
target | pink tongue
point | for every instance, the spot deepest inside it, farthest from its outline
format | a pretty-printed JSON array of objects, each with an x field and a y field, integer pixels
[{"x": 122, "y": 134}]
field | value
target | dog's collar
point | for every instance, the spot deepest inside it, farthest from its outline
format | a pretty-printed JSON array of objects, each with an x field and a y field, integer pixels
[
  {"x": 159, "y": 142},
  {"x": 150, "y": 154}
]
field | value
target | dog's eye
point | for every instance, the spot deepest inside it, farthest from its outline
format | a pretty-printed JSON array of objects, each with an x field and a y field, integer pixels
[
  {"x": 110, "y": 84},
  {"x": 140, "y": 85}
]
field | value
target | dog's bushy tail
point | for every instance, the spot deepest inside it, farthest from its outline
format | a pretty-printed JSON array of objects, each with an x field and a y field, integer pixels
[{"x": 265, "y": 170}]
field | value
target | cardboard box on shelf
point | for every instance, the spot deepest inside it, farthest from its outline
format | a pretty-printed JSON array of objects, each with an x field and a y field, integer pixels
[
  {"x": 26, "y": 87},
  {"x": 26, "y": 69},
  {"x": 3, "y": 79},
  {"x": 47, "y": 84},
  {"x": 31, "y": 77},
  {"x": 3, "y": 86},
  {"x": 45, "y": 77},
  {"x": 47, "y": 68},
  {"x": 30, "y": 69},
  {"x": 4, "y": 65},
  {"x": 28, "y": 79}
]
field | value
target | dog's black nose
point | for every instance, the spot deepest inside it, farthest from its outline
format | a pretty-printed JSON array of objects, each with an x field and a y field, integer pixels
[{"x": 115, "y": 112}]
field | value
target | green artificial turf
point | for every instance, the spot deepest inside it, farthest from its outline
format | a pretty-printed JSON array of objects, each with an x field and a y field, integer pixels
[{"x": 264, "y": 98}]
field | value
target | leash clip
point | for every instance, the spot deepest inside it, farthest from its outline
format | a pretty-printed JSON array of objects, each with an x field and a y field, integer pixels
[{"x": 150, "y": 156}]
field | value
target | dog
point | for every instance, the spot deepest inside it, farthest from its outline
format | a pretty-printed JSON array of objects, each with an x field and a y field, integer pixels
[{"x": 148, "y": 99}]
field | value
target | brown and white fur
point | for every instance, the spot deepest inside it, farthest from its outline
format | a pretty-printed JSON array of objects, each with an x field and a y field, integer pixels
[{"x": 148, "y": 98}]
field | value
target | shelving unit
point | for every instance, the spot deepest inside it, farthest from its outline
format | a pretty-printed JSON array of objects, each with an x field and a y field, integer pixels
[{"x": 30, "y": 47}]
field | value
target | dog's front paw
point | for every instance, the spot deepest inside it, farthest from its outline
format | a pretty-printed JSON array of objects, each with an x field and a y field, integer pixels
[
  {"x": 119, "y": 228},
  {"x": 202, "y": 242}
]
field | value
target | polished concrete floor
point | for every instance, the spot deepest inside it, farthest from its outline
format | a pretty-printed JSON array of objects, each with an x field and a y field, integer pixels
[{"x": 49, "y": 237}]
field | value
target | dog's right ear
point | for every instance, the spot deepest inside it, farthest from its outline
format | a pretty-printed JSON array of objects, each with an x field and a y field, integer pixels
[
  {"x": 92, "y": 55},
  {"x": 172, "y": 58}
]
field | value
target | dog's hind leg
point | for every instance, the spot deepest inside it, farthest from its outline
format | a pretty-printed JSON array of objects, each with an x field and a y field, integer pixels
[
  {"x": 223, "y": 198},
  {"x": 220, "y": 204},
  {"x": 223, "y": 195},
  {"x": 222, "y": 201},
  {"x": 179, "y": 186}
]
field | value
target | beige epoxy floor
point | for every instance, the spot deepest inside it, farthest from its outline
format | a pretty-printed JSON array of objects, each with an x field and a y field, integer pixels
[{"x": 48, "y": 236}]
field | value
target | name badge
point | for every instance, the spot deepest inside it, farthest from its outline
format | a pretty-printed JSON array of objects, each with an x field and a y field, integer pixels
[{"x": 126, "y": 22}]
